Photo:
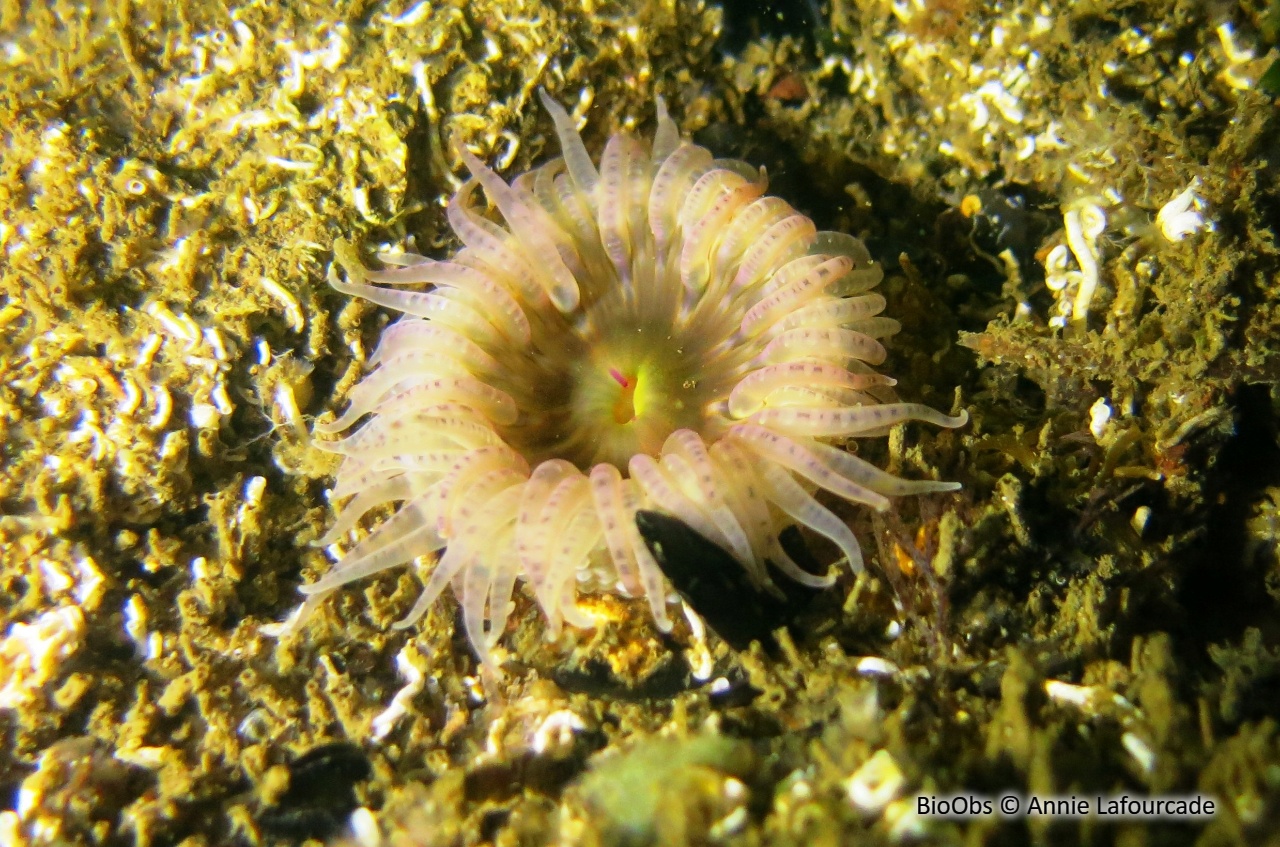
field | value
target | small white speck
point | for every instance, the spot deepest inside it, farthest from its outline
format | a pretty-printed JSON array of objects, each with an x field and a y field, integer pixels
[
  {"x": 1141, "y": 516},
  {"x": 220, "y": 399},
  {"x": 1099, "y": 416},
  {"x": 1181, "y": 216},
  {"x": 413, "y": 15},
  {"x": 876, "y": 666},
  {"x": 1140, "y": 751},
  {"x": 253, "y": 491},
  {"x": 556, "y": 731},
  {"x": 163, "y": 407},
  {"x": 364, "y": 826},
  {"x": 1065, "y": 692},
  {"x": 389, "y": 717},
  {"x": 282, "y": 295},
  {"x": 135, "y": 622},
  {"x": 876, "y": 783},
  {"x": 204, "y": 416}
]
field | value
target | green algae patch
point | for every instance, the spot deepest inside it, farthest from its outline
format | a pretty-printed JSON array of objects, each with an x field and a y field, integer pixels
[{"x": 664, "y": 791}]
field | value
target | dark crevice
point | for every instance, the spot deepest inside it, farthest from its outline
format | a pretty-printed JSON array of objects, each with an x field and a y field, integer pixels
[{"x": 1223, "y": 590}]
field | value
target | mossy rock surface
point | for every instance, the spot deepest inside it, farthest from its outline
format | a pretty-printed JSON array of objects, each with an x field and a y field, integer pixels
[{"x": 1095, "y": 612}]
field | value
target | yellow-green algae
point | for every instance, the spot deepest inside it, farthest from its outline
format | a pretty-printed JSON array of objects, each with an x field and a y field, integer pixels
[{"x": 174, "y": 177}]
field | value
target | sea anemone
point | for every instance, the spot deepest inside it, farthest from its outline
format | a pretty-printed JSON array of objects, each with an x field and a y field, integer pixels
[{"x": 654, "y": 332}]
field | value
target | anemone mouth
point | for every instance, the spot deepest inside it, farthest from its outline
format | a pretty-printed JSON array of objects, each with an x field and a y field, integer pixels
[
  {"x": 654, "y": 332},
  {"x": 605, "y": 395}
]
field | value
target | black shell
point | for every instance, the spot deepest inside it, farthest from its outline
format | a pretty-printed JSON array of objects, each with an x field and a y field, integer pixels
[
  {"x": 321, "y": 793},
  {"x": 718, "y": 588}
]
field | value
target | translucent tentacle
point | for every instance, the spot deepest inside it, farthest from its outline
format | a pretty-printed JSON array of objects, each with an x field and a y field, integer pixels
[
  {"x": 668, "y": 497},
  {"x": 676, "y": 175},
  {"x": 783, "y": 562},
  {"x": 752, "y": 393},
  {"x": 388, "y": 490},
  {"x": 411, "y": 334},
  {"x": 685, "y": 447},
  {"x": 606, "y": 491},
  {"x": 787, "y": 494},
  {"x": 487, "y": 243},
  {"x": 494, "y": 300},
  {"x": 613, "y": 200},
  {"x": 826, "y": 422},
  {"x": 667, "y": 136},
  {"x": 770, "y": 309},
  {"x": 655, "y": 589},
  {"x": 794, "y": 457},
  {"x": 822, "y": 343},
  {"x": 576, "y": 158},
  {"x": 536, "y": 232},
  {"x": 385, "y": 550},
  {"x": 866, "y": 474}
]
